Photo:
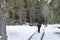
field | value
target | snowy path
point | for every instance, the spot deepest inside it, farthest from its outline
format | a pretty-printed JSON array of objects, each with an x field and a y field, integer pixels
[
  {"x": 37, "y": 36},
  {"x": 20, "y": 32},
  {"x": 23, "y": 32},
  {"x": 49, "y": 33}
]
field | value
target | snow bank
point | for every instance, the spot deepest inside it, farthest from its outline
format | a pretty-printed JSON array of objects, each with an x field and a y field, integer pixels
[{"x": 51, "y": 28}]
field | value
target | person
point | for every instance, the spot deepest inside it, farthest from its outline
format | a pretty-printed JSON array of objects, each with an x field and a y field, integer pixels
[{"x": 39, "y": 25}]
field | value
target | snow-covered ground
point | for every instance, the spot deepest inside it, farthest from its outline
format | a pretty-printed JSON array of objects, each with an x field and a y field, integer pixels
[
  {"x": 50, "y": 31},
  {"x": 23, "y": 32}
]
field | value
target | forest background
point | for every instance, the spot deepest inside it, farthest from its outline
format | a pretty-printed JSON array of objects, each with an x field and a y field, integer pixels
[{"x": 21, "y": 11}]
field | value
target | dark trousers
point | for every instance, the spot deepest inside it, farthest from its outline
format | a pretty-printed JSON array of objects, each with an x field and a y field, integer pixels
[{"x": 39, "y": 28}]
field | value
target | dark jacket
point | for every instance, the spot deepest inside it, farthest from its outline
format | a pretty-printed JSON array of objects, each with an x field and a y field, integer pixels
[{"x": 39, "y": 23}]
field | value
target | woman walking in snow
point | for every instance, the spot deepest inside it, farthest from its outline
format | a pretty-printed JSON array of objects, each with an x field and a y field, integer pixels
[{"x": 39, "y": 25}]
